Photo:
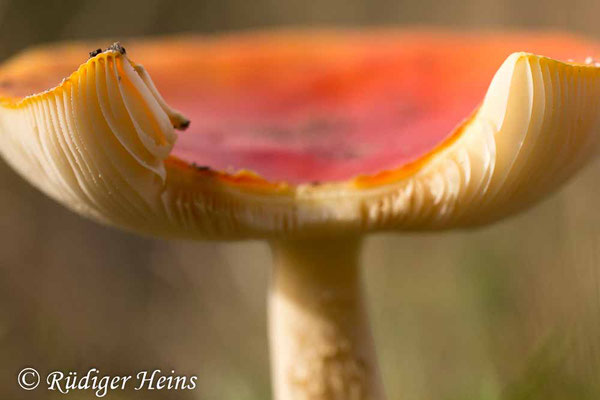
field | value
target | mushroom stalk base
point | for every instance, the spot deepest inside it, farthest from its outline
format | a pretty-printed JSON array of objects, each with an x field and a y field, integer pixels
[{"x": 321, "y": 343}]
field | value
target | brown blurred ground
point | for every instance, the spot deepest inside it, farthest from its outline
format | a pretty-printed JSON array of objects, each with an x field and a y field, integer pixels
[{"x": 509, "y": 312}]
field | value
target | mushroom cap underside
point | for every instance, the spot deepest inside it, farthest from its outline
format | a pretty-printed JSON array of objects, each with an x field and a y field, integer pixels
[{"x": 302, "y": 133}]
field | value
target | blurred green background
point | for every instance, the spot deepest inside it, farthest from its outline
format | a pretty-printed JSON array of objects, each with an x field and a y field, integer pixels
[{"x": 509, "y": 312}]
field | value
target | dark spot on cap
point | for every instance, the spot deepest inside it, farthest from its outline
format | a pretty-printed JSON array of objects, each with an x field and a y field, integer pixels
[
  {"x": 200, "y": 167},
  {"x": 315, "y": 183},
  {"x": 183, "y": 125},
  {"x": 116, "y": 46},
  {"x": 95, "y": 53},
  {"x": 6, "y": 84}
]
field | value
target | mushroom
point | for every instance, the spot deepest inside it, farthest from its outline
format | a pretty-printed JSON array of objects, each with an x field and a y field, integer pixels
[{"x": 308, "y": 140}]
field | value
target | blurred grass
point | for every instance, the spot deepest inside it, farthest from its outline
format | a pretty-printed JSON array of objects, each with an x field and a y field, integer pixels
[{"x": 509, "y": 312}]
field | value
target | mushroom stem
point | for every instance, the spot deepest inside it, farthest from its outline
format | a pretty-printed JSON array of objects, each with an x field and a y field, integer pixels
[{"x": 321, "y": 342}]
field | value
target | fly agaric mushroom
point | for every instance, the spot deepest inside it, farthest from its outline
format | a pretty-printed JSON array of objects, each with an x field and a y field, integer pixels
[{"x": 308, "y": 140}]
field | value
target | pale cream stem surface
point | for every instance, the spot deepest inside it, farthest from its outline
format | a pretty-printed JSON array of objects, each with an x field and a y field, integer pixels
[{"x": 321, "y": 342}]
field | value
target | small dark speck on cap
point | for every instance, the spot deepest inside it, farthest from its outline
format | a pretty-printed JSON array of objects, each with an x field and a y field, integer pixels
[
  {"x": 183, "y": 125},
  {"x": 200, "y": 167},
  {"x": 95, "y": 53}
]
